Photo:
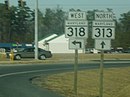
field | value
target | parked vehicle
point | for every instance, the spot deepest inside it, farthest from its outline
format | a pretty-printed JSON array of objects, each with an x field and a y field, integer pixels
[
  {"x": 29, "y": 53},
  {"x": 127, "y": 50}
]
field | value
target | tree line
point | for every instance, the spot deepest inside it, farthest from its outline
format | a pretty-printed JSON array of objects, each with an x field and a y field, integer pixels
[{"x": 17, "y": 25}]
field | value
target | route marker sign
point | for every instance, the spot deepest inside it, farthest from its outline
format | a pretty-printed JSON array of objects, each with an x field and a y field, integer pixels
[
  {"x": 76, "y": 44},
  {"x": 102, "y": 44},
  {"x": 103, "y": 30},
  {"x": 76, "y": 29}
]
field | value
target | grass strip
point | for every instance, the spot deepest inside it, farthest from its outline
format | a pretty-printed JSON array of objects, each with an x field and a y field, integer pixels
[{"x": 116, "y": 83}]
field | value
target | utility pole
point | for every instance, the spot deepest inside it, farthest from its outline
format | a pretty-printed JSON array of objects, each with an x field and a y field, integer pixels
[
  {"x": 7, "y": 4},
  {"x": 8, "y": 14},
  {"x": 36, "y": 30},
  {"x": 20, "y": 3}
]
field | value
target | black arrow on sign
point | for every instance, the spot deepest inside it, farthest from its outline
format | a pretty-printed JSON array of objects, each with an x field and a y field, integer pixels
[
  {"x": 103, "y": 44},
  {"x": 77, "y": 42}
]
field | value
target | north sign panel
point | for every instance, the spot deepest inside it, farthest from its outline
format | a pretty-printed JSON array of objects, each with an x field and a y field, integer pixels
[{"x": 104, "y": 15}]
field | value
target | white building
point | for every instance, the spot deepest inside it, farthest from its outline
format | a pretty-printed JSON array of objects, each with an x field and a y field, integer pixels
[{"x": 56, "y": 44}]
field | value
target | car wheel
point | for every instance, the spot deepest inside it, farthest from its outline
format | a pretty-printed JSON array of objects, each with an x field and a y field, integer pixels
[
  {"x": 42, "y": 57},
  {"x": 17, "y": 57}
]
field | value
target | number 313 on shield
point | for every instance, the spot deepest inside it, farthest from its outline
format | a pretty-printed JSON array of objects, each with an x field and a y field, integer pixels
[{"x": 103, "y": 33}]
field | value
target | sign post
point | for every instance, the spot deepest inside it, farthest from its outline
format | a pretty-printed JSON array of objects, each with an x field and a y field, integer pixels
[
  {"x": 101, "y": 74},
  {"x": 76, "y": 72}
]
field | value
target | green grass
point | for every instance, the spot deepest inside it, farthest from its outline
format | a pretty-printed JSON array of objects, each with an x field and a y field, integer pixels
[
  {"x": 66, "y": 58},
  {"x": 116, "y": 83}
]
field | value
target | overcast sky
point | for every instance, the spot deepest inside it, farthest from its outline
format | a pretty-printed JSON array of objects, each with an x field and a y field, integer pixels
[{"x": 118, "y": 6}]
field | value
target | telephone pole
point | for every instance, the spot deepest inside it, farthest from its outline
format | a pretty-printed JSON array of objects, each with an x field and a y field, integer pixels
[
  {"x": 20, "y": 3},
  {"x": 36, "y": 30},
  {"x": 7, "y": 4}
]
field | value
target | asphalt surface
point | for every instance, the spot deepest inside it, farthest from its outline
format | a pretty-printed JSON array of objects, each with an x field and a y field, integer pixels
[{"x": 15, "y": 81}]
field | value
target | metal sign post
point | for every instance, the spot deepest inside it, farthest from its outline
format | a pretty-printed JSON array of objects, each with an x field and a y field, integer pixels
[
  {"x": 101, "y": 74},
  {"x": 76, "y": 71}
]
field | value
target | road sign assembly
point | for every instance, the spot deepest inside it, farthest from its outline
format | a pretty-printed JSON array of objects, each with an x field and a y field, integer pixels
[
  {"x": 76, "y": 29},
  {"x": 103, "y": 31}
]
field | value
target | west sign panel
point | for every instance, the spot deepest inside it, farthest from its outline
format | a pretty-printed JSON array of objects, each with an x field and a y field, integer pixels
[{"x": 77, "y": 15}]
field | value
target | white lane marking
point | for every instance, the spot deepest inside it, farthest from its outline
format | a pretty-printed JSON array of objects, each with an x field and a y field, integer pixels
[
  {"x": 58, "y": 69},
  {"x": 33, "y": 71}
]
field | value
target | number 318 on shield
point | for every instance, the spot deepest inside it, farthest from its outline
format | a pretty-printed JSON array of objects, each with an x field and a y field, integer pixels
[{"x": 79, "y": 32}]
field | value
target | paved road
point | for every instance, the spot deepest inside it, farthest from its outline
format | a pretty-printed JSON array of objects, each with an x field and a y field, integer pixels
[{"x": 15, "y": 81}]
